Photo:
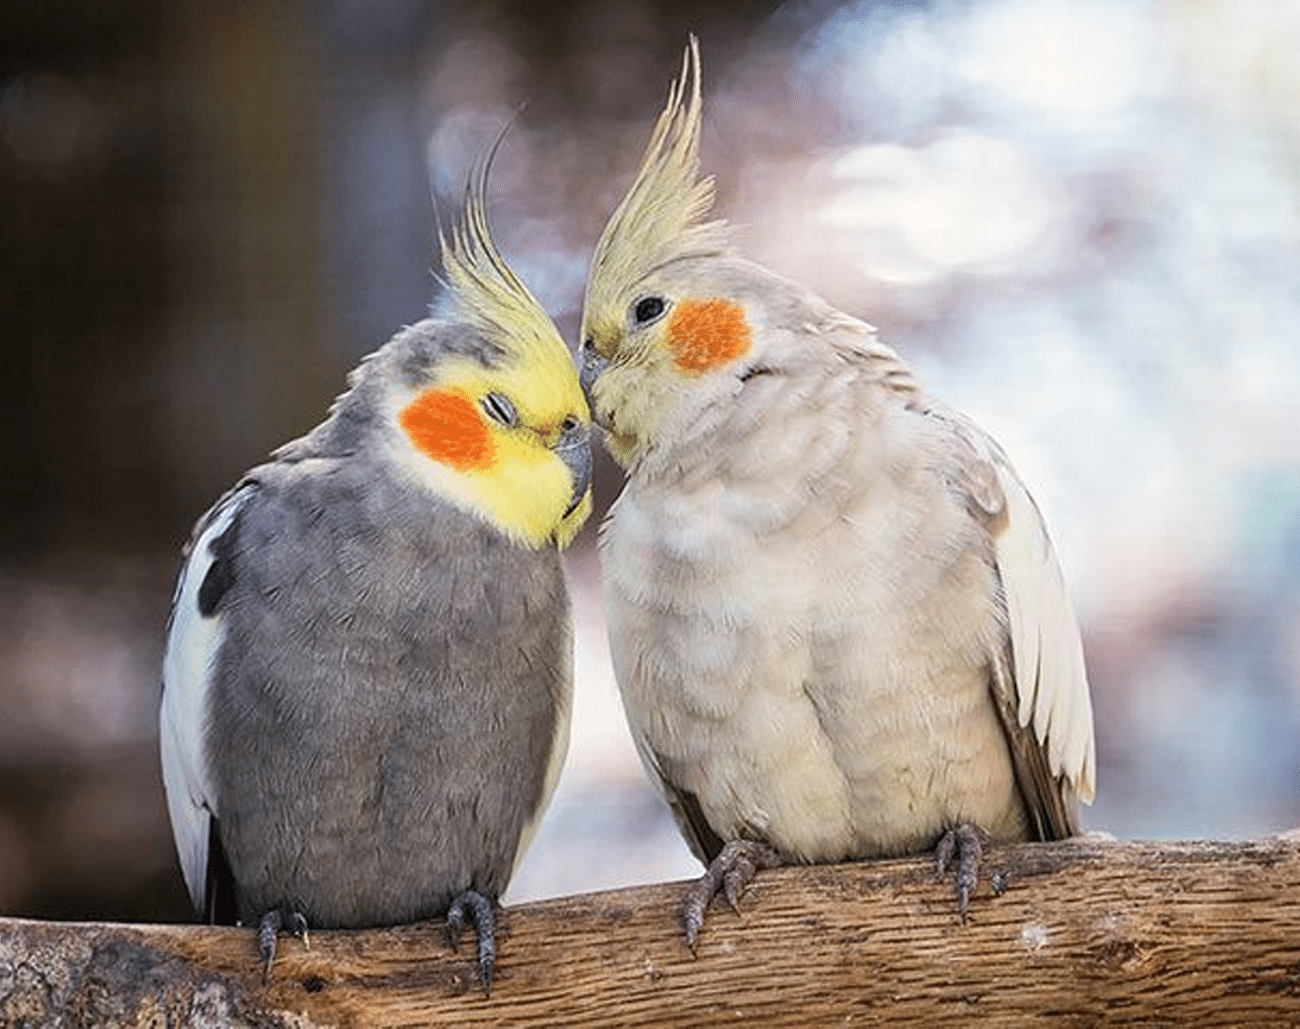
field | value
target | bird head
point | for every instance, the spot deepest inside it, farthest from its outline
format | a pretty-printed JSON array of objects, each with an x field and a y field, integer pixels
[
  {"x": 482, "y": 406},
  {"x": 670, "y": 312}
]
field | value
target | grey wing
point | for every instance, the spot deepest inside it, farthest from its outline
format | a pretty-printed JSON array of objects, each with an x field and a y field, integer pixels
[
  {"x": 1039, "y": 681},
  {"x": 194, "y": 637}
]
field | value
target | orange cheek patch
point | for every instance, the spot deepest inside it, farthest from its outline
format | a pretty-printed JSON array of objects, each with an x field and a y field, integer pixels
[
  {"x": 447, "y": 428},
  {"x": 704, "y": 334}
]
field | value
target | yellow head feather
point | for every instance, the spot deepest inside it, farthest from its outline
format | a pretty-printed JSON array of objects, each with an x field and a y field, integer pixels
[
  {"x": 486, "y": 293},
  {"x": 661, "y": 217}
]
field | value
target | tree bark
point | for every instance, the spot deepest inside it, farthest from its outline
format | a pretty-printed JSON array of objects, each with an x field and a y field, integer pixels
[{"x": 1085, "y": 932}]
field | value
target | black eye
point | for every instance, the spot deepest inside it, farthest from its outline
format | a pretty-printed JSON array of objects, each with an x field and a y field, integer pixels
[
  {"x": 569, "y": 424},
  {"x": 499, "y": 409},
  {"x": 648, "y": 309}
]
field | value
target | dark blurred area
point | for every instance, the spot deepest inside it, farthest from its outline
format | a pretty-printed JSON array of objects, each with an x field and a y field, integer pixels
[{"x": 208, "y": 213}]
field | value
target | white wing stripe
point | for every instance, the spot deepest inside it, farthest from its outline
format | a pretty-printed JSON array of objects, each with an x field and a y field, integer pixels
[{"x": 192, "y": 646}]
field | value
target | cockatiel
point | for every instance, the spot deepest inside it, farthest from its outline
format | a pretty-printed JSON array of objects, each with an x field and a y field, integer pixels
[
  {"x": 368, "y": 674},
  {"x": 837, "y": 623}
]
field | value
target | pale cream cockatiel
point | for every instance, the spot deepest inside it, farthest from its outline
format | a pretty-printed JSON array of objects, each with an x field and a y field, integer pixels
[{"x": 837, "y": 623}]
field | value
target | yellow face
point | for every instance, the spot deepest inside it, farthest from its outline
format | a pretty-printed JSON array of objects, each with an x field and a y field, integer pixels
[
  {"x": 510, "y": 443},
  {"x": 649, "y": 347}
]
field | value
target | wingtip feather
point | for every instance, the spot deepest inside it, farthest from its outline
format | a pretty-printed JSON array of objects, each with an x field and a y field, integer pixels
[{"x": 1051, "y": 678}]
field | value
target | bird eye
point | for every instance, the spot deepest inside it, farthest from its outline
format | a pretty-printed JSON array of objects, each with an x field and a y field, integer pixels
[
  {"x": 569, "y": 424},
  {"x": 499, "y": 409},
  {"x": 647, "y": 309}
]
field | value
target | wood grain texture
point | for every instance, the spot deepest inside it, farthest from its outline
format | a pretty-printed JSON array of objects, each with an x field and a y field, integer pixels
[{"x": 1087, "y": 932}]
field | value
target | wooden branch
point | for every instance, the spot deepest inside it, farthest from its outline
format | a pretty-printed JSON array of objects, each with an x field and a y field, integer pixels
[{"x": 1087, "y": 931}]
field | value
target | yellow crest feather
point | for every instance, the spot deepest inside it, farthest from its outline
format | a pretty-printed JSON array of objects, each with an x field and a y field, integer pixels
[
  {"x": 484, "y": 290},
  {"x": 660, "y": 218}
]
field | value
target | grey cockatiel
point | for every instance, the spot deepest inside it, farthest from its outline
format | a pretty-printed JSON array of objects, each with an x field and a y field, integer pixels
[
  {"x": 367, "y": 679},
  {"x": 837, "y": 624}
]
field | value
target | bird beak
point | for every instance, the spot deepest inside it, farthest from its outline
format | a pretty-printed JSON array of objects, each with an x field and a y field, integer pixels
[
  {"x": 593, "y": 367},
  {"x": 574, "y": 449}
]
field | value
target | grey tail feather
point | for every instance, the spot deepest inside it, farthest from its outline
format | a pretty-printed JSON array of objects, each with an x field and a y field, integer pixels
[
  {"x": 710, "y": 844},
  {"x": 220, "y": 907}
]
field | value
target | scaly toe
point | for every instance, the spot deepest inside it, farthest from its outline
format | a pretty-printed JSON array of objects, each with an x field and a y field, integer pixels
[
  {"x": 729, "y": 873},
  {"x": 269, "y": 926},
  {"x": 965, "y": 842},
  {"x": 477, "y": 909}
]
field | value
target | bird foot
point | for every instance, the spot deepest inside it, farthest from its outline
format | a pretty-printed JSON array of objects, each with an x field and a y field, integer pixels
[
  {"x": 477, "y": 909},
  {"x": 270, "y": 925},
  {"x": 965, "y": 842},
  {"x": 729, "y": 873}
]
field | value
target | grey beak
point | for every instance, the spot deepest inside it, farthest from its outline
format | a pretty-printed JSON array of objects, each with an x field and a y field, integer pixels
[
  {"x": 574, "y": 449},
  {"x": 593, "y": 367}
]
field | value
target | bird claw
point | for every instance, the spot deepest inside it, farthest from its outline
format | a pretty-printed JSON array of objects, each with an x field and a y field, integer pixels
[
  {"x": 298, "y": 926},
  {"x": 477, "y": 909},
  {"x": 735, "y": 879},
  {"x": 729, "y": 873},
  {"x": 966, "y": 843},
  {"x": 269, "y": 927}
]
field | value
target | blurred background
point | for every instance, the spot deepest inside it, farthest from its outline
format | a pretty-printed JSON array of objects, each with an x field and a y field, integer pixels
[{"x": 1078, "y": 219}]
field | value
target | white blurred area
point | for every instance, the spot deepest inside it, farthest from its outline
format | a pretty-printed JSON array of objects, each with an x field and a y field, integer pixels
[{"x": 1080, "y": 221}]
